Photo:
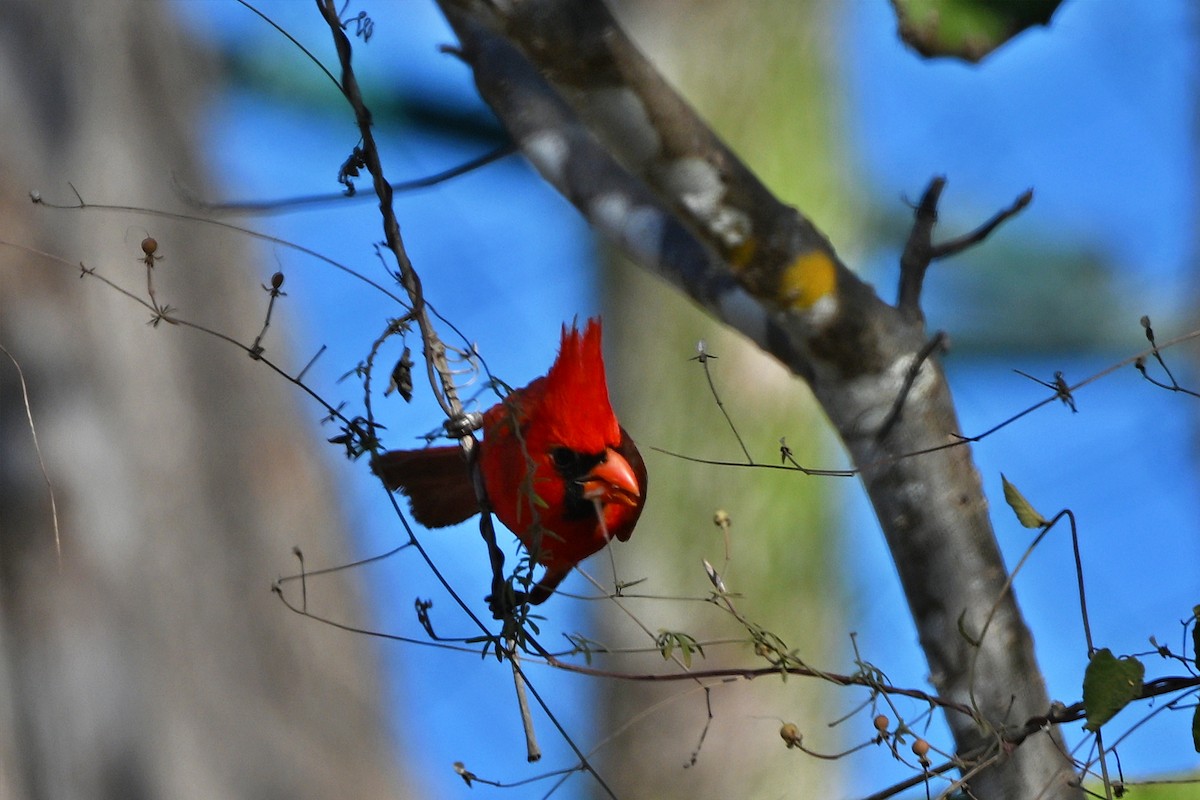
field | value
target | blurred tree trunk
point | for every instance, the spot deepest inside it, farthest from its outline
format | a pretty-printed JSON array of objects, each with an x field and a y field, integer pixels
[
  {"x": 781, "y": 547},
  {"x": 153, "y": 661}
]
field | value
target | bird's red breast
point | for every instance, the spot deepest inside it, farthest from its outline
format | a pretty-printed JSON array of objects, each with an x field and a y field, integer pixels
[{"x": 559, "y": 470}]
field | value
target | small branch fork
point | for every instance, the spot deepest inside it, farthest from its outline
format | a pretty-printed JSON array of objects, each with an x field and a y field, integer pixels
[
  {"x": 920, "y": 250},
  {"x": 1140, "y": 364}
]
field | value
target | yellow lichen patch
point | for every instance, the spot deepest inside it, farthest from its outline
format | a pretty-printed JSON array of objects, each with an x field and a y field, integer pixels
[
  {"x": 807, "y": 279},
  {"x": 740, "y": 255}
]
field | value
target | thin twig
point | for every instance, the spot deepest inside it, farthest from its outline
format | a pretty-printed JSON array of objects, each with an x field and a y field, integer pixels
[
  {"x": 958, "y": 244},
  {"x": 192, "y": 218},
  {"x": 274, "y": 291},
  {"x": 37, "y": 448},
  {"x": 793, "y": 467},
  {"x": 299, "y": 554},
  {"x": 340, "y": 567},
  {"x": 1141, "y": 364},
  {"x": 532, "y": 751},
  {"x": 703, "y": 357},
  {"x": 704, "y": 732},
  {"x": 281, "y": 30},
  {"x": 91, "y": 272},
  {"x": 1062, "y": 389},
  {"x": 320, "y": 351},
  {"x": 288, "y": 204}
]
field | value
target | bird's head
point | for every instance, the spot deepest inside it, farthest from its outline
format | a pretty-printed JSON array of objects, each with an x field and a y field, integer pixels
[{"x": 573, "y": 425}]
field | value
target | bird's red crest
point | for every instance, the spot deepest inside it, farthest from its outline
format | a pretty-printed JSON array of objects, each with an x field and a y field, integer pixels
[{"x": 575, "y": 401}]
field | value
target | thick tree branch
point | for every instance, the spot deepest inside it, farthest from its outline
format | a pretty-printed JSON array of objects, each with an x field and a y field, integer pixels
[
  {"x": 639, "y": 164},
  {"x": 600, "y": 124}
]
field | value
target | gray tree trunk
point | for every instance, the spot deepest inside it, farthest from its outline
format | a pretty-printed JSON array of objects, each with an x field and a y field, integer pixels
[{"x": 153, "y": 661}]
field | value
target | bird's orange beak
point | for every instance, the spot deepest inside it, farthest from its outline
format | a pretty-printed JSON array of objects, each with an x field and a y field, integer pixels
[{"x": 612, "y": 481}]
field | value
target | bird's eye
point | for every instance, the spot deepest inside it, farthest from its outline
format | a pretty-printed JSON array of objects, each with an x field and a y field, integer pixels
[{"x": 563, "y": 457}]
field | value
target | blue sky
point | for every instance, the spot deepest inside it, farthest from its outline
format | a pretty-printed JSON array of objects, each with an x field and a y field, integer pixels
[{"x": 1096, "y": 114}]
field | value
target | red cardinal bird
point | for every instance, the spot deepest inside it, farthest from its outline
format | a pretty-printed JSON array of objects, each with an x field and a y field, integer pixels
[{"x": 559, "y": 470}]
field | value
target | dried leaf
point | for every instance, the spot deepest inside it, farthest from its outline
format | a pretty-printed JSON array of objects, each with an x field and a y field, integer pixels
[{"x": 1027, "y": 515}]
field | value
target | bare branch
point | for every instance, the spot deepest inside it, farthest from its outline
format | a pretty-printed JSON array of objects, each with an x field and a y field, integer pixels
[{"x": 920, "y": 250}]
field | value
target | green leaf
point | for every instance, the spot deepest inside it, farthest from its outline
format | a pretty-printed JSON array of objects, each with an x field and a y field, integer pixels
[
  {"x": 667, "y": 641},
  {"x": 584, "y": 645},
  {"x": 1109, "y": 684},
  {"x": 1026, "y": 514},
  {"x": 967, "y": 29}
]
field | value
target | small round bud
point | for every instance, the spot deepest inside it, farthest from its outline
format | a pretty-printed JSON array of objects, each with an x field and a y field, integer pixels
[
  {"x": 791, "y": 735},
  {"x": 920, "y": 749},
  {"x": 149, "y": 245},
  {"x": 277, "y": 280},
  {"x": 881, "y": 723},
  {"x": 1145, "y": 320},
  {"x": 721, "y": 518}
]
